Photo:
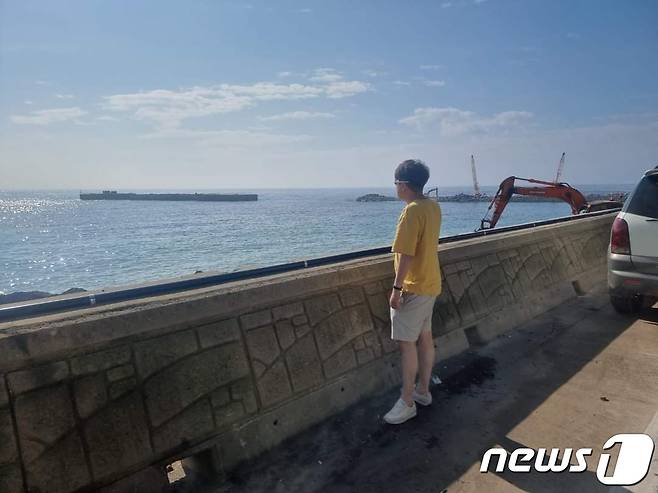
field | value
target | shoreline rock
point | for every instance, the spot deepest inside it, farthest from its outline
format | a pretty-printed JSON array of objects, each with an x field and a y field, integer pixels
[{"x": 20, "y": 296}]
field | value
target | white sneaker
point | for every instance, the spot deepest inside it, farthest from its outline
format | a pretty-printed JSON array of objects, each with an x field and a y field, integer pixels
[
  {"x": 400, "y": 413},
  {"x": 422, "y": 399}
]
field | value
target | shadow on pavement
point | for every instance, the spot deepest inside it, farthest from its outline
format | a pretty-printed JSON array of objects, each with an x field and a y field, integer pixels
[{"x": 485, "y": 394}]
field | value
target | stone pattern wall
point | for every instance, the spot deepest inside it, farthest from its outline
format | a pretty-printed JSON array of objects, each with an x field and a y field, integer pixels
[
  {"x": 90, "y": 418},
  {"x": 10, "y": 472},
  {"x": 483, "y": 284}
]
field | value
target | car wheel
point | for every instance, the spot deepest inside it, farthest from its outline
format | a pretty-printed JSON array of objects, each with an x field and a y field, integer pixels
[{"x": 626, "y": 304}]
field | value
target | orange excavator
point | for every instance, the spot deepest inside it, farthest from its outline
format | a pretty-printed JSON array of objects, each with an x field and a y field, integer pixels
[{"x": 560, "y": 191}]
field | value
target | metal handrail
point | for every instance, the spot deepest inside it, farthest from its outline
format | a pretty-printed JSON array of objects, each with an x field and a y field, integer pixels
[{"x": 45, "y": 306}]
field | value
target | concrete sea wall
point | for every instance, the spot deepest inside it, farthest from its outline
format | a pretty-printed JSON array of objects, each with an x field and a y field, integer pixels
[{"x": 116, "y": 392}]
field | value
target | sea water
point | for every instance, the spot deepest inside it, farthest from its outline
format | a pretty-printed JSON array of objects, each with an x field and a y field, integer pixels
[{"x": 52, "y": 241}]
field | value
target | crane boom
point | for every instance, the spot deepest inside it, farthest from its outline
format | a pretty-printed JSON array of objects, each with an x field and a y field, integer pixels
[
  {"x": 476, "y": 185},
  {"x": 560, "y": 169}
]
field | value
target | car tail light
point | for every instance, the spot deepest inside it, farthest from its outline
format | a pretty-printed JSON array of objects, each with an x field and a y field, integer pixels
[{"x": 620, "y": 241}]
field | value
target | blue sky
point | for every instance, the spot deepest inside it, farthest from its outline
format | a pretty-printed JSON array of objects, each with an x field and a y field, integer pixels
[{"x": 212, "y": 94}]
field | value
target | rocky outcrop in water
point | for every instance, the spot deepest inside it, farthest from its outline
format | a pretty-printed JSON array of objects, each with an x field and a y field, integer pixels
[{"x": 375, "y": 197}]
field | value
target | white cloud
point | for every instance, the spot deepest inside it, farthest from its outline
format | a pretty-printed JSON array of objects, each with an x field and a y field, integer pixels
[
  {"x": 229, "y": 138},
  {"x": 304, "y": 11},
  {"x": 431, "y": 67},
  {"x": 478, "y": 2},
  {"x": 267, "y": 91},
  {"x": 325, "y": 75},
  {"x": 64, "y": 96},
  {"x": 298, "y": 115},
  {"x": 283, "y": 75},
  {"x": 372, "y": 73},
  {"x": 434, "y": 83},
  {"x": 344, "y": 89},
  {"x": 46, "y": 117},
  {"x": 107, "y": 118},
  {"x": 27, "y": 101},
  {"x": 453, "y": 121},
  {"x": 167, "y": 108},
  {"x": 401, "y": 83},
  {"x": 446, "y": 5},
  {"x": 429, "y": 82}
]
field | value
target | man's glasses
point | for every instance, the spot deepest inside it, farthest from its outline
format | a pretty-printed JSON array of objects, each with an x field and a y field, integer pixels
[{"x": 398, "y": 182}]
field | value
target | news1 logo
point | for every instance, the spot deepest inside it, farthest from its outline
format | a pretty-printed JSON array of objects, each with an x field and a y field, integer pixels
[{"x": 632, "y": 465}]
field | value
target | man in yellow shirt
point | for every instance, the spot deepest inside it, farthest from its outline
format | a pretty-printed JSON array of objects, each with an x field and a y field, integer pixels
[{"x": 416, "y": 286}]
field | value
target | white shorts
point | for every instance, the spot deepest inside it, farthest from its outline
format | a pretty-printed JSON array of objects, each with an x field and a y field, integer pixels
[{"x": 413, "y": 317}]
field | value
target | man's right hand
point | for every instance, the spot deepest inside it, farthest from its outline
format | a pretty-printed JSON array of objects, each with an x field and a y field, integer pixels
[{"x": 394, "y": 300}]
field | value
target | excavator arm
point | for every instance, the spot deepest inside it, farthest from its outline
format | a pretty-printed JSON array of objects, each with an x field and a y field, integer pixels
[{"x": 508, "y": 188}]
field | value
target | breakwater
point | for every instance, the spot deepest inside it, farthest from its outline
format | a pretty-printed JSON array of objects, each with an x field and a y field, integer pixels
[{"x": 169, "y": 197}]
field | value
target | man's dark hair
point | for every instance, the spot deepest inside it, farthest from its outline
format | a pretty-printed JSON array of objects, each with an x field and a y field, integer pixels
[{"x": 414, "y": 172}]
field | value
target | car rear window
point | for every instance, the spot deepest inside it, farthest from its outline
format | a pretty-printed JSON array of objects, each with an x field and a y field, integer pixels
[{"x": 645, "y": 198}]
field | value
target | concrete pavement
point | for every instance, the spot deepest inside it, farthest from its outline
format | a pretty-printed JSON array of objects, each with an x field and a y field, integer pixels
[{"x": 572, "y": 377}]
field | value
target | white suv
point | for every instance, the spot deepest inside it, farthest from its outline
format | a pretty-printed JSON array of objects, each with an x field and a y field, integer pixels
[{"x": 633, "y": 251}]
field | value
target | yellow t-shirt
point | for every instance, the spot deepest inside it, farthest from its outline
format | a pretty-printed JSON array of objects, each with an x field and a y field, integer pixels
[{"x": 418, "y": 235}]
